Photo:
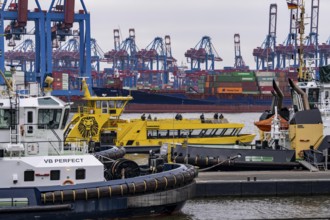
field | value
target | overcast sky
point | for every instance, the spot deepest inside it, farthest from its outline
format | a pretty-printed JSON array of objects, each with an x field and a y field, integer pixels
[{"x": 187, "y": 21}]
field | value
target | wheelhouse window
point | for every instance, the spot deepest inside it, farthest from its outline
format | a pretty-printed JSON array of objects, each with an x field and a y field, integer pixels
[
  {"x": 112, "y": 104},
  {"x": 120, "y": 104},
  {"x": 7, "y": 118},
  {"x": 98, "y": 104},
  {"x": 29, "y": 117},
  {"x": 65, "y": 118},
  {"x": 49, "y": 118},
  {"x": 104, "y": 107}
]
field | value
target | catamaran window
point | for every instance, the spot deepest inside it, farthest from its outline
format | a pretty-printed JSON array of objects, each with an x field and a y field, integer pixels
[
  {"x": 104, "y": 107},
  {"x": 218, "y": 132},
  {"x": 162, "y": 133},
  {"x": 195, "y": 133},
  {"x": 173, "y": 133},
  {"x": 228, "y": 132},
  {"x": 112, "y": 104},
  {"x": 28, "y": 175},
  {"x": 80, "y": 174},
  {"x": 65, "y": 118},
  {"x": 152, "y": 133},
  {"x": 55, "y": 174},
  {"x": 49, "y": 118},
  {"x": 30, "y": 117},
  {"x": 98, "y": 104},
  {"x": 120, "y": 104},
  {"x": 7, "y": 117},
  {"x": 208, "y": 132}
]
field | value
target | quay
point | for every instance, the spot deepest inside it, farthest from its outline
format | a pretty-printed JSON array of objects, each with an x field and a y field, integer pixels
[{"x": 262, "y": 183}]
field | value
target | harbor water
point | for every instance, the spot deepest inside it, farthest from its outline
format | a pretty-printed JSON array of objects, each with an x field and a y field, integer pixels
[{"x": 309, "y": 207}]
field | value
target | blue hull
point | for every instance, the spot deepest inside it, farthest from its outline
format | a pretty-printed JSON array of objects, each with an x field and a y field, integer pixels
[
  {"x": 147, "y": 97},
  {"x": 154, "y": 194}
]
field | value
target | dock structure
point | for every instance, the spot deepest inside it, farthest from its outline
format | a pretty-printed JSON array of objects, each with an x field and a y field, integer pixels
[{"x": 262, "y": 183}]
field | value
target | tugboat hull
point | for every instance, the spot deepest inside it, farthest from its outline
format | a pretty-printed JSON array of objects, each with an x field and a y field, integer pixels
[{"x": 158, "y": 203}]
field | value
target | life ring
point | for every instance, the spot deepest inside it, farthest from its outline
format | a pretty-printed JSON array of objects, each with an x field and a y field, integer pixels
[
  {"x": 22, "y": 129},
  {"x": 68, "y": 182}
]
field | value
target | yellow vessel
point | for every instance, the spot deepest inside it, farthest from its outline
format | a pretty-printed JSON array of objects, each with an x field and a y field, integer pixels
[{"x": 98, "y": 121}]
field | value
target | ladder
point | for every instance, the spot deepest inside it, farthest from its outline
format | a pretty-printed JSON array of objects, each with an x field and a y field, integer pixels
[
  {"x": 14, "y": 116},
  {"x": 309, "y": 166}
]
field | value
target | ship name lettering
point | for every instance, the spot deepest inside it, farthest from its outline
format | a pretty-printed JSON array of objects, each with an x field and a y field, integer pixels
[{"x": 69, "y": 160}]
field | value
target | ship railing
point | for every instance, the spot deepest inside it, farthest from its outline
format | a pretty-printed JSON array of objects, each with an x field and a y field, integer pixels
[
  {"x": 76, "y": 145},
  {"x": 313, "y": 158}
]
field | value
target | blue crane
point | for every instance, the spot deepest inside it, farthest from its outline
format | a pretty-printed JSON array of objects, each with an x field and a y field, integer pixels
[
  {"x": 58, "y": 25},
  {"x": 239, "y": 62},
  {"x": 14, "y": 16},
  {"x": 203, "y": 52},
  {"x": 288, "y": 50},
  {"x": 22, "y": 56},
  {"x": 265, "y": 55},
  {"x": 158, "y": 53}
]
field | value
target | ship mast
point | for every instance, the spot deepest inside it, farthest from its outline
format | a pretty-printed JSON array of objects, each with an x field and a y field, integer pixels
[{"x": 301, "y": 24}]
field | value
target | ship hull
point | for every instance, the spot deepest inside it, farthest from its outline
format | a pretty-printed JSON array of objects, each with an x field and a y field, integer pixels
[
  {"x": 154, "y": 194},
  {"x": 185, "y": 102},
  {"x": 219, "y": 158},
  {"x": 121, "y": 207}
]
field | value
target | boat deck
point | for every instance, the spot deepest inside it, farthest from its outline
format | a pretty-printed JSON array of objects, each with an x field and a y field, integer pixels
[{"x": 263, "y": 183}]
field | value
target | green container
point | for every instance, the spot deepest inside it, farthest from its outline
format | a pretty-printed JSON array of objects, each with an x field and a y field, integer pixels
[
  {"x": 248, "y": 74},
  {"x": 248, "y": 79}
]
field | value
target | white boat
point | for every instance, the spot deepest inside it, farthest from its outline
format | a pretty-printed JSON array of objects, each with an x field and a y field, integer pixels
[{"x": 41, "y": 177}]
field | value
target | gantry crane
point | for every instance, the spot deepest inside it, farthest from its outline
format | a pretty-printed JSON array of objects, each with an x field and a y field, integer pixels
[
  {"x": 239, "y": 62},
  {"x": 265, "y": 55},
  {"x": 288, "y": 50},
  {"x": 311, "y": 49},
  {"x": 157, "y": 60},
  {"x": 22, "y": 56},
  {"x": 14, "y": 16},
  {"x": 60, "y": 19},
  {"x": 203, "y": 52}
]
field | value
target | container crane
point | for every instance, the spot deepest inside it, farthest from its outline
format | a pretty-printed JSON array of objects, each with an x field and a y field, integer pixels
[
  {"x": 311, "y": 49},
  {"x": 239, "y": 62},
  {"x": 125, "y": 58},
  {"x": 60, "y": 19},
  {"x": 324, "y": 51},
  {"x": 158, "y": 53},
  {"x": 265, "y": 55},
  {"x": 203, "y": 52},
  {"x": 22, "y": 55},
  {"x": 14, "y": 16},
  {"x": 288, "y": 50}
]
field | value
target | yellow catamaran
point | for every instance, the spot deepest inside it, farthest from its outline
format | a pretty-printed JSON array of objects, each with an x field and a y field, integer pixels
[{"x": 98, "y": 121}]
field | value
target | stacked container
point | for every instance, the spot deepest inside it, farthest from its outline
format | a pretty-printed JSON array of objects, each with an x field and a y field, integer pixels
[
  {"x": 265, "y": 81},
  {"x": 231, "y": 83}
]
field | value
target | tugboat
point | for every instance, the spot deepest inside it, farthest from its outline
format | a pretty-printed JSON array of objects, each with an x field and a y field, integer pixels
[
  {"x": 41, "y": 177},
  {"x": 290, "y": 139},
  {"x": 99, "y": 121}
]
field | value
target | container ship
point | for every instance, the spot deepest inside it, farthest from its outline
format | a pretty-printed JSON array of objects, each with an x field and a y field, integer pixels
[{"x": 230, "y": 92}]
